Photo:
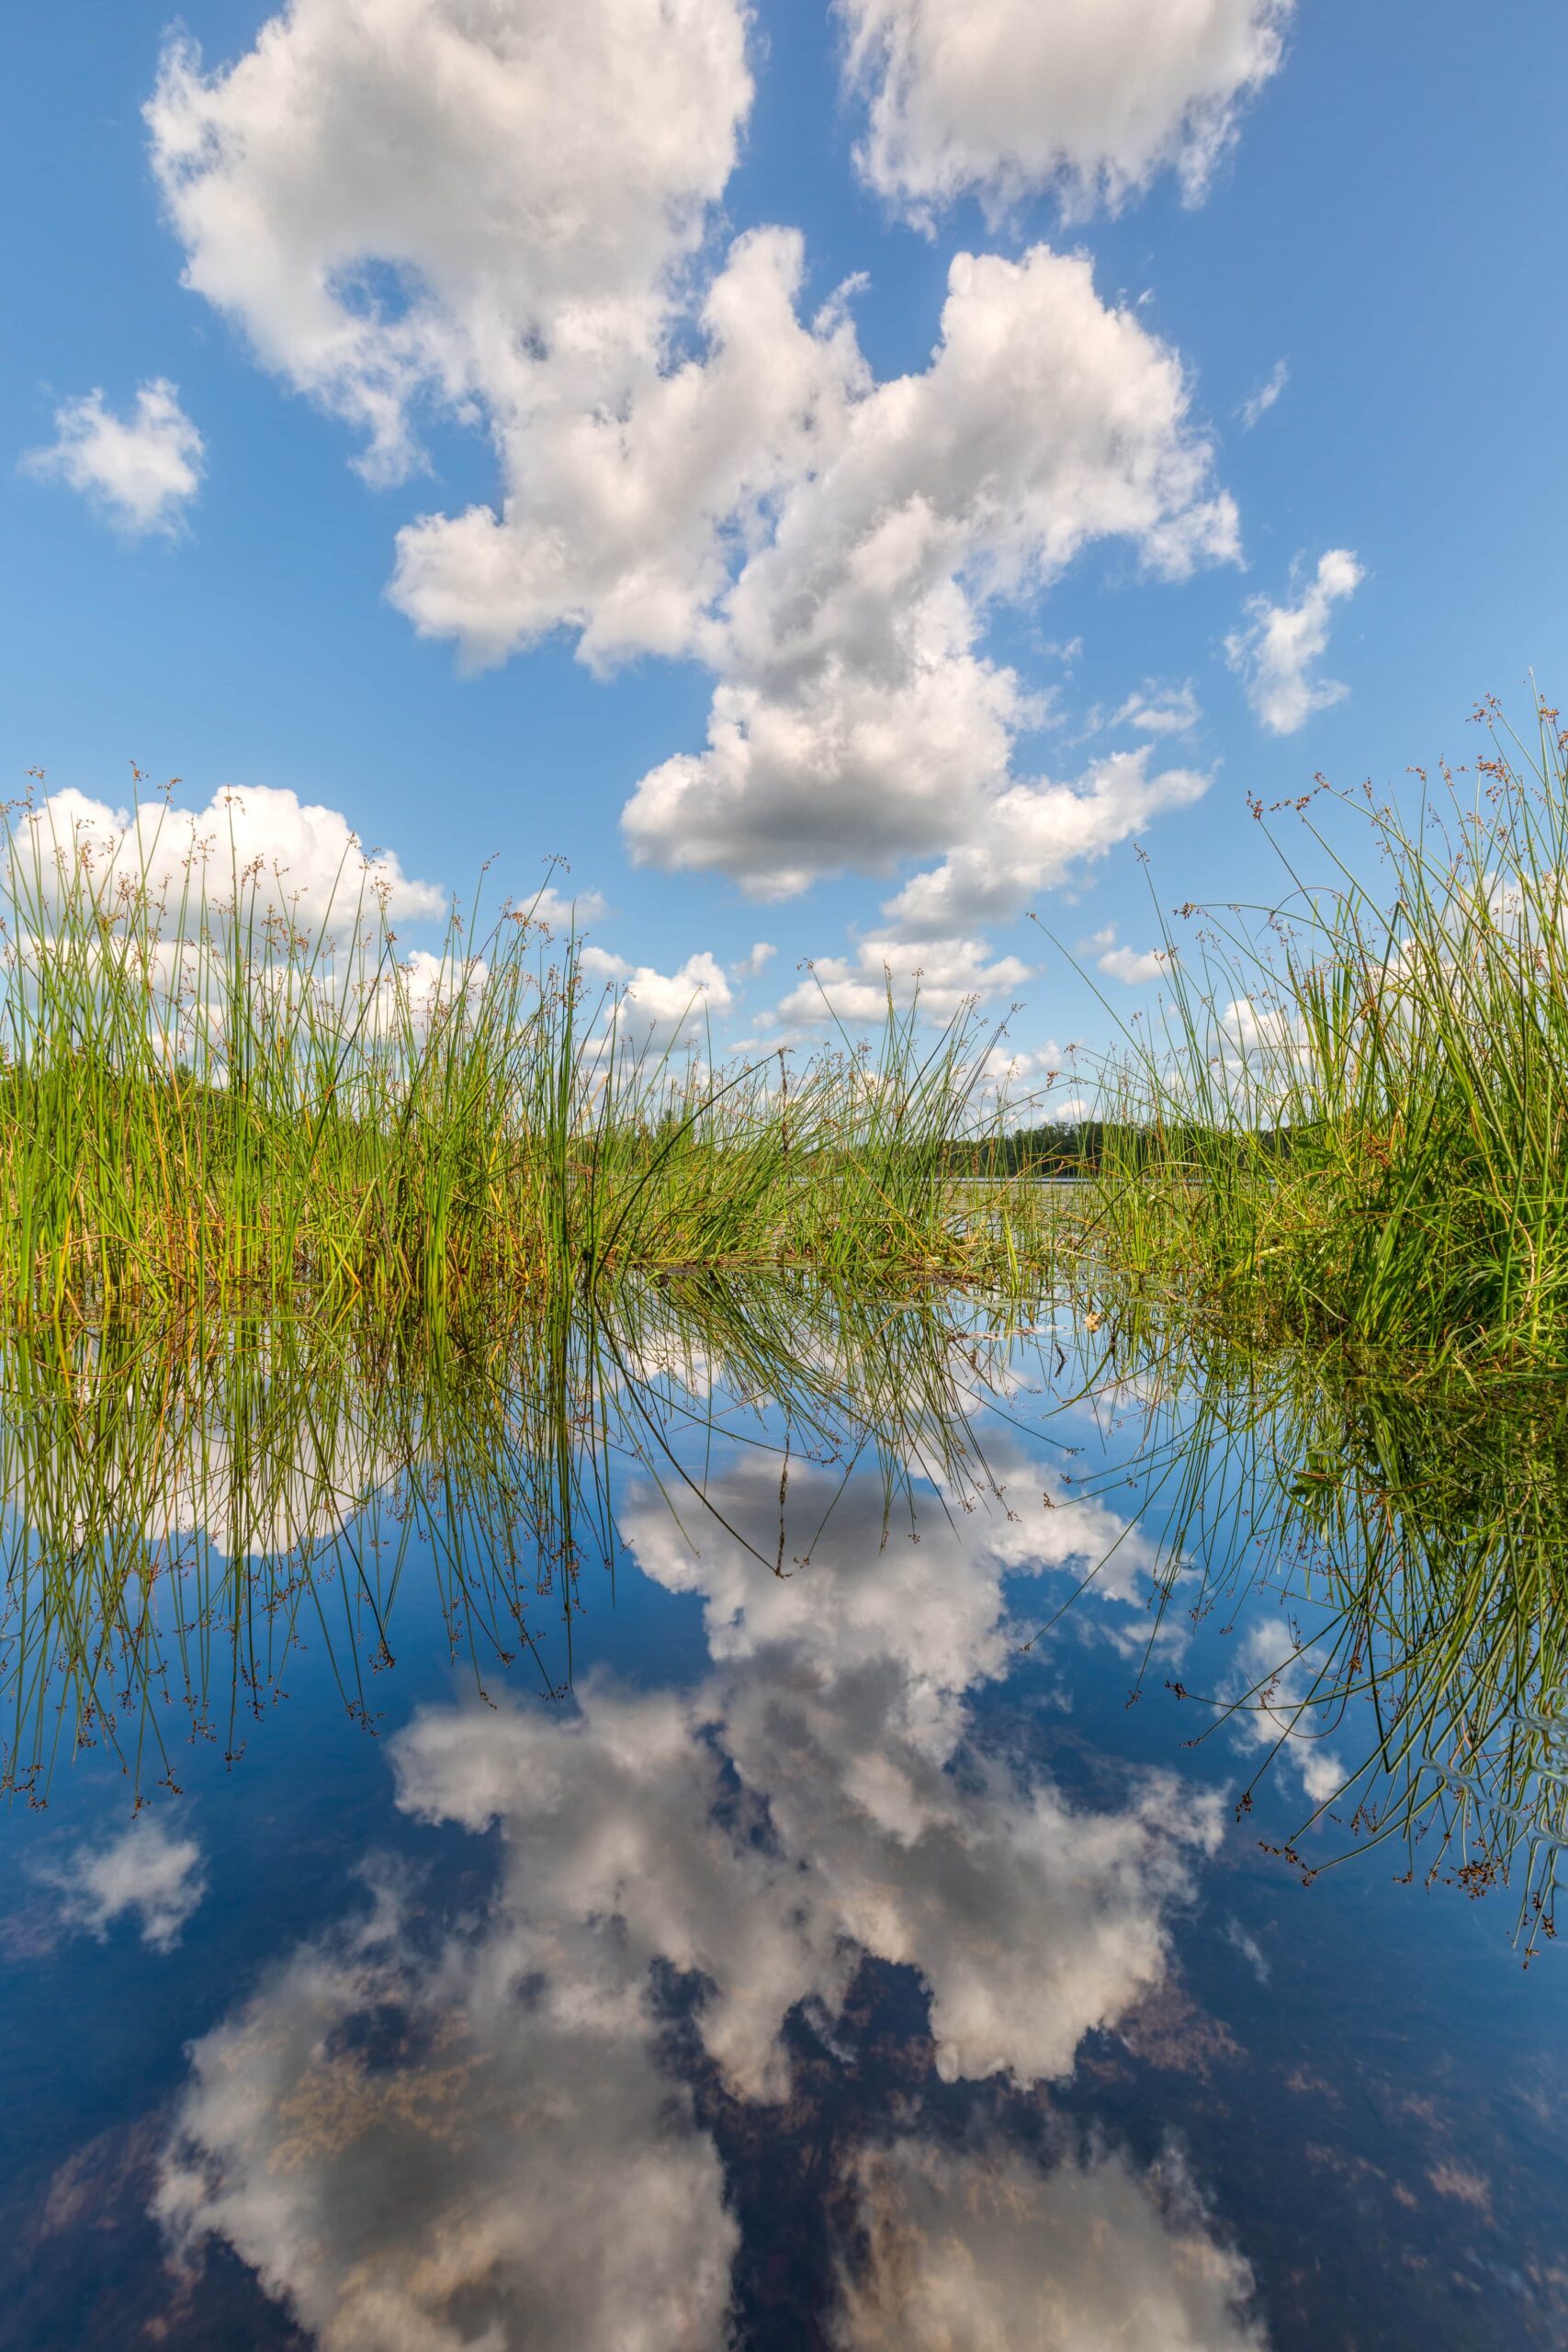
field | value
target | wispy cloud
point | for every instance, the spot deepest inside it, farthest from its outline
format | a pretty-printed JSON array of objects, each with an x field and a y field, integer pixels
[
  {"x": 1273, "y": 655},
  {"x": 1258, "y": 403},
  {"x": 1155, "y": 710}
]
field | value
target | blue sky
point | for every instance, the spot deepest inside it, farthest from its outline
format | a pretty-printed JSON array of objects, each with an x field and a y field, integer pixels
[{"x": 574, "y": 257}]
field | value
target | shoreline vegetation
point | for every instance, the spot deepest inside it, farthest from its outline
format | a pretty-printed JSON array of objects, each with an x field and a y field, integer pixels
[
  {"x": 1345, "y": 1127},
  {"x": 1348, "y": 1125},
  {"x": 209, "y": 1103}
]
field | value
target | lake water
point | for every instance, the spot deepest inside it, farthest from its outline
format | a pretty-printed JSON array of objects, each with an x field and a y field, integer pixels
[{"x": 793, "y": 1907}]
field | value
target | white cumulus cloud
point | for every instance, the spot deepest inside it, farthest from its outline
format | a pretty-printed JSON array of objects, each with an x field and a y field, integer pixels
[
  {"x": 630, "y": 488},
  {"x": 1132, "y": 965},
  {"x": 758, "y": 1833},
  {"x": 1274, "y": 654},
  {"x": 505, "y": 215},
  {"x": 663, "y": 1011},
  {"x": 1029, "y": 837},
  {"x": 858, "y": 717},
  {"x": 943, "y": 974},
  {"x": 497, "y": 212},
  {"x": 839, "y": 1698},
  {"x": 142, "y": 470},
  {"x": 492, "y": 2080},
  {"x": 259, "y": 844},
  {"x": 397, "y": 198},
  {"x": 1094, "y": 96},
  {"x": 1272, "y": 1687}
]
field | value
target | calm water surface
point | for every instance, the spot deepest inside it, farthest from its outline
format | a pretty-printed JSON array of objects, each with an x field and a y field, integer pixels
[{"x": 774, "y": 1922}]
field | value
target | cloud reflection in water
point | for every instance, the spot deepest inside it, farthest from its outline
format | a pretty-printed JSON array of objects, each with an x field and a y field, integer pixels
[{"x": 476, "y": 2137}]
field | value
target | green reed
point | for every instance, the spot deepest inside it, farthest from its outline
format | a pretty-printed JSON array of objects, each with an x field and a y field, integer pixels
[
  {"x": 209, "y": 1103},
  {"x": 1350, "y": 1121}
]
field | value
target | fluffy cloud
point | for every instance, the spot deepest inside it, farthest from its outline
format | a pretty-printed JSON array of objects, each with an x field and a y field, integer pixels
[
  {"x": 560, "y": 912},
  {"x": 836, "y": 1708},
  {"x": 1274, "y": 654},
  {"x": 838, "y": 1702},
  {"x": 496, "y": 211},
  {"x": 837, "y": 762},
  {"x": 944, "y": 974},
  {"x": 1094, "y": 96},
  {"x": 1021, "y": 1082},
  {"x": 395, "y": 199},
  {"x": 264, "y": 1493},
  {"x": 500, "y": 214},
  {"x": 660, "y": 1012},
  {"x": 140, "y": 471},
  {"x": 1132, "y": 965},
  {"x": 858, "y": 719},
  {"x": 167, "y": 895},
  {"x": 145, "y": 1872},
  {"x": 626, "y": 500},
  {"x": 1029, "y": 837},
  {"x": 276, "y": 853},
  {"x": 1271, "y": 1693},
  {"x": 977, "y": 2247}
]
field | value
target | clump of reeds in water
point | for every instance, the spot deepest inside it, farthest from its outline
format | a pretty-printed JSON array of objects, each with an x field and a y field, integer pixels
[
  {"x": 208, "y": 1098},
  {"x": 1350, "y": 1119}
]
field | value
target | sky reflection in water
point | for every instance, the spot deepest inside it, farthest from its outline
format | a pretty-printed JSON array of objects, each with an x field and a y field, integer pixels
[{"x": 828, "y": 1967}]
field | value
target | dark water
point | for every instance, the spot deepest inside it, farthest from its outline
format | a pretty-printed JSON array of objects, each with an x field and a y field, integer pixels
[{"x": 823, "y": 1966}]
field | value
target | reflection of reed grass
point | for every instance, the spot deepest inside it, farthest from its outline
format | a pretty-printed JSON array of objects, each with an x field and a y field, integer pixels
[
  {"x": 203, "y": 1104},
  {"x": 1419, "y": 1541},
  {"x": 1353, "y": 1123},
  {"x": 181, "y": 1508}
]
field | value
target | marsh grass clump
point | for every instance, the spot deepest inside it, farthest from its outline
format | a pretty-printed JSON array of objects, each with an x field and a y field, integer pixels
[
  {"x": 1351, "y": 1122},
  {"x": 213, "y": 1096}
]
